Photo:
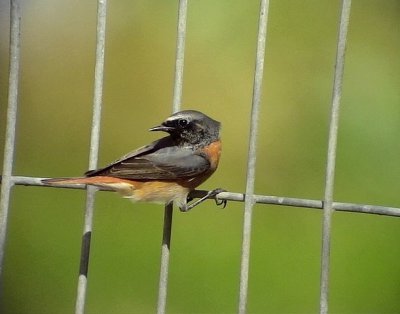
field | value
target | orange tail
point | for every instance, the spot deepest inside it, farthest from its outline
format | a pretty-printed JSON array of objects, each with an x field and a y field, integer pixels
[
  {"x": 124, "y": 187},
  {"x": 56, "y": 181},
  {"x": 84, "y": 180}
]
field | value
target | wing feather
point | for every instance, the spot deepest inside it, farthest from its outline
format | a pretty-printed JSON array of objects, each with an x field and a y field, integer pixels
[{"x": 160, "y": 160}]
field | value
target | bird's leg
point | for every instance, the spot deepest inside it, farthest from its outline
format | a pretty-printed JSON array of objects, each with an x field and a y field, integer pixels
[{"x": 210, "y": 194}]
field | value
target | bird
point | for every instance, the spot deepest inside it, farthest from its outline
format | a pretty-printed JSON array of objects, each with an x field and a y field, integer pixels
[{"x": 166, "y": 170}]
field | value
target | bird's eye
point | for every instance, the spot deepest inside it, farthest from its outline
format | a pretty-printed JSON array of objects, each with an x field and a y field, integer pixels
[{"x": 182, "y": 123}]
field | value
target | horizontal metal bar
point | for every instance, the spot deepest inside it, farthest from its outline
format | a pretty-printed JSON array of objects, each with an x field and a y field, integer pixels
[{"x": 239, "y": 197}]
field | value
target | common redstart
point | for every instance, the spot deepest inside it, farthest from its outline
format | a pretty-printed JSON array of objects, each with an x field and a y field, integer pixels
[{"x": 166, "y": 170}]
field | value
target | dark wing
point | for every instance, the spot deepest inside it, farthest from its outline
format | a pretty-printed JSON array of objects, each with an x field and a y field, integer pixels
[{"x": 161, "y": 160}]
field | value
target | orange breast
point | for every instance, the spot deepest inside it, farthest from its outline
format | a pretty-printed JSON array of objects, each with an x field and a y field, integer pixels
[{"x": 213, "y": 152}]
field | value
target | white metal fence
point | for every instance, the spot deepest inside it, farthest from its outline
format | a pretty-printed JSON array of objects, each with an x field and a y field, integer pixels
[{"x": 328, "y": 205}]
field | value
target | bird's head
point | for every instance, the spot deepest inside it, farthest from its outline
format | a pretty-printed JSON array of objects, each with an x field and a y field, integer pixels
[{"x": 190, "y": 127}]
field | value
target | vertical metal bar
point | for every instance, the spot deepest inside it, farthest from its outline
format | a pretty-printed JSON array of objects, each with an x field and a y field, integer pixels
[
  {"x": 180, "y": 55},
  {"x": 165, "y": 253},
  {"x": 251, "y": 163},
  {"x": 331, "y": 156},
  {"x": 176, "y": 104},
  {"x": 93, "y": 155},
  {"x": 9, "y": 147}
]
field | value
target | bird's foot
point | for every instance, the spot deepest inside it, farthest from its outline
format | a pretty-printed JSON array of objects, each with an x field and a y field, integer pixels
[{"x": 210, "y": 194}]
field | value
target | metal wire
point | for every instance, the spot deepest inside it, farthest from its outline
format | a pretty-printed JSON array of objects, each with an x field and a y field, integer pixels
[
  {"x": 164, "y": 265},
  {"x": 249, "y": 198},
  {"x": 251, "y": 163},
  {"x": 258, "y": 199},
  {"x": 331, "y": 158},
  {"x": 93, "y": 156},
  {"x": 176, "y": 104},
  {"x": 180, "y": 55},
  {"x": 13, "y": 80}
]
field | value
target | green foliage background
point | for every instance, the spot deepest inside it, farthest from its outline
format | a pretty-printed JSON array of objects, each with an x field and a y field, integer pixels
[{"x": 54, "y": 118}]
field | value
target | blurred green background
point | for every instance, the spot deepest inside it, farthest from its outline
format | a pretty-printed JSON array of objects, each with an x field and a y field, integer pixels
[{"x": 54, "y": 118}]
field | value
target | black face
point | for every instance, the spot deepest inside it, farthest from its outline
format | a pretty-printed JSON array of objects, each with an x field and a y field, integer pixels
[
  {"x": 192, "y": 127},
  {"x": 178, "y": 124}
]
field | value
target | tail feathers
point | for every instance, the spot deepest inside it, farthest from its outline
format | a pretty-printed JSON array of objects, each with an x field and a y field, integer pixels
[
  {"x": 125, "y": 187},
  {"x": 100, "y": 180},
  {"x": 56, "y": 181}
]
